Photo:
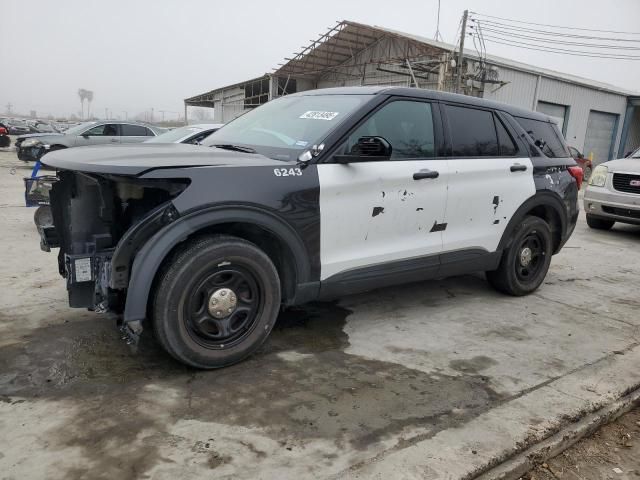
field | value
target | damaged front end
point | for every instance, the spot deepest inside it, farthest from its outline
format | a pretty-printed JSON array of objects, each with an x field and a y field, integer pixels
[{"x": 100, "y": 221}]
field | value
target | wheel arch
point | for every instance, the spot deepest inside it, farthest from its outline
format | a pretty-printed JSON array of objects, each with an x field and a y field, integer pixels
[
  {"x": 545, "y": 205},
  {"x": 270, "y": 233}
]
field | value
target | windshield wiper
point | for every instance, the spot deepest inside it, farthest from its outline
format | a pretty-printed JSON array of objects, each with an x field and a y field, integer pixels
[{"x": 235, "y": 148}]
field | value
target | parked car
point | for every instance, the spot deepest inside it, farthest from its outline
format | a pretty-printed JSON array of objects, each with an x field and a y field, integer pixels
[
  {"x": 34, "y": 146},
  {"x": 193, "y": 134},
  {"x": 613, "y": 193},
  {"x": 584, "y": 162},
  {"x": 17, "y": 127},
  {"x": 5, "y": 140},
  {"x": 314, "y": 195}
]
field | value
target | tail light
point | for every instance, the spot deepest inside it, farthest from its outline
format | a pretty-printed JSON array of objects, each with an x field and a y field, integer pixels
[
  {"x": 577, "y": 173},
  {"x": 3, "y": 131}
]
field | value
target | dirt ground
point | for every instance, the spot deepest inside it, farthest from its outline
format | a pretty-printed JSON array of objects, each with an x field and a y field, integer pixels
[
  {"x": 437, "y": 380},
  {"x": 613, "y": 452}
]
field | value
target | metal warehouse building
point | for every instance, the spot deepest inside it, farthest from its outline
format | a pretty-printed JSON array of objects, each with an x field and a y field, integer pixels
[{"x": 595, "y": 117}]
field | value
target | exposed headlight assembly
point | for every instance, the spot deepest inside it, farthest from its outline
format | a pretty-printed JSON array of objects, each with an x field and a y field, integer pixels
[
  {"x": 599, "y": 176},
  {"x": 31, "y": 142}
]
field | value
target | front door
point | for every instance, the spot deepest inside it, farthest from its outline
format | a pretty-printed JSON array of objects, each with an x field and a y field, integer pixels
[
  {"x": 374, "y": 212},
  {"x": 105, "y": 133}
]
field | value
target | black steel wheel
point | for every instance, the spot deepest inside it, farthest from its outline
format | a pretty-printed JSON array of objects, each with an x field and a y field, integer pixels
[
  {"x": 530, "y": 256},
  {"x": 524, "y": 264},
  {"x": 221, "y": 310},
  {"x": 216, "y": 301}
]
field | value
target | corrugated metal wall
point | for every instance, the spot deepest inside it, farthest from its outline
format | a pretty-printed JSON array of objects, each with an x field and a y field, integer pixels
[
  {"x": 580, "y": 100},
  {"x": 633, "y": 137}
]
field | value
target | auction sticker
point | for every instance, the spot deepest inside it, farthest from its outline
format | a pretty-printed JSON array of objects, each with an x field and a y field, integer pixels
[{"x": 318, "y": 115}]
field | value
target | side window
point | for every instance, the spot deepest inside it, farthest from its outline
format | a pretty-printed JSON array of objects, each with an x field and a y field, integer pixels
[
  {"x": 546, "y": 136},
  {"x": 473, "y": 133},
  {"x": 133, "y": 130},
  {"x": 508, "y": 147},
  {"x": 95, "y": 131},
  {"x": 406, "y": 125},
  {"x": 104, "y": 130}
]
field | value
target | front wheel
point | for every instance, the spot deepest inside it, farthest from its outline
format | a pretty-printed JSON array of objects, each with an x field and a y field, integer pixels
[
  {"x": 216, "y": 302},
  {"x": 525, "y": 263},
  {"x": 599, "y": 223}
]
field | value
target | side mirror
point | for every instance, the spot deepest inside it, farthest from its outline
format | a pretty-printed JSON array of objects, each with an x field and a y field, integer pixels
[
  {"x": 580, "y": 155},
  {"x": 85, "y": 135},
  {"x": 366, "y": 149}
]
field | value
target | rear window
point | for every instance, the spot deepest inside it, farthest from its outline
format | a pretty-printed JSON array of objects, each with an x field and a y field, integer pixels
[
  {"x": 133, "y": 130},
  {"x": 546, "y": 137}
]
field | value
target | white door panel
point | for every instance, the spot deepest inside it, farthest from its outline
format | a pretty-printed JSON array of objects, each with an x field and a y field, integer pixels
[
  {"x": 374, "y": 212},
  {"x": 483, "y": 196}
]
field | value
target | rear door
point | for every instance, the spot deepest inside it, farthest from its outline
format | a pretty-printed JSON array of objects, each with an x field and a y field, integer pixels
[
  {"x": 374, "y": 213},
  {"x": 134, "y": 133},
  {"x": 100, "y": 134},
  {"x": 489, "y": 178}
]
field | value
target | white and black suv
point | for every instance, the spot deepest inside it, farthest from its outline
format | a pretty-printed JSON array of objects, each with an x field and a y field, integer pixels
[{"x": 311, "y": 196}]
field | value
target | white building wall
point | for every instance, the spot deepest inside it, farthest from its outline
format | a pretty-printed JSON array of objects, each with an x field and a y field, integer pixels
[
  {"x": 580, "y": 100},
  {"x": 228, "y": 104}
]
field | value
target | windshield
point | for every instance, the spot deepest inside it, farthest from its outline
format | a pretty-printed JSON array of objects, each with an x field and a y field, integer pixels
[
  {"x": 284, "y": 128},
  {"x": 174, "y": 135},
  {"x": 79, "y": 128}
]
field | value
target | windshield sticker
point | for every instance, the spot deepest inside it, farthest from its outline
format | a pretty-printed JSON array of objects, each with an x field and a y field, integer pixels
[
  {"x": 318, "y": 115},
  {"x": 301, "y": 143}
]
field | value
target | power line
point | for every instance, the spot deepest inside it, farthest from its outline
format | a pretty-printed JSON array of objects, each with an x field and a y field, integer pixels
[
  {"x": 554, "y": 41},
  {"x": 546, "y": 48},
  {"x": 555, "y": 26},
  {"x": 548, "y": 32}
]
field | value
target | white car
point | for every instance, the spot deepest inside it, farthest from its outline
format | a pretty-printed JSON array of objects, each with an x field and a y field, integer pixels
[
  {"x": 613, "y": 193},
  {"x": 192, "y": 134}
]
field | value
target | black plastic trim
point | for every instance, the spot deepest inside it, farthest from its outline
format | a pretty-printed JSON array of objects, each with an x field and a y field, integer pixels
[{"x": 150, "y": 257}]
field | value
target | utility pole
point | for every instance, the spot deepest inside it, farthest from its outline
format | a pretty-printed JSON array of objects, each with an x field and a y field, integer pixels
[
  {"x": 463, "y": 34},
  {"x": 9, "y": 106}
]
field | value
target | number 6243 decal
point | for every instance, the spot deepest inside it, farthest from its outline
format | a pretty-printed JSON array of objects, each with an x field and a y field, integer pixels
[{"x": 287, "y": 172}]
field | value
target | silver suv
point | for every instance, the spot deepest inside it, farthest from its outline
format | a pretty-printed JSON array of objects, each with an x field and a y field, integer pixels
[{"x": 613, "y": 193}]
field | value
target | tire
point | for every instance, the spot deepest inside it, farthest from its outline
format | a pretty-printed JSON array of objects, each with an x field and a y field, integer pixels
[
  {"x": 218, "y": 269},
  {"x": 599, "y": 223},
  {"x": 520, "y": 273},
  {"x": 43, "y": 216}
]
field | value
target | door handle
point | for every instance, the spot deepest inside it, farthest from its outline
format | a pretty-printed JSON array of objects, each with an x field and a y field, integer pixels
[
  {"x": 518, "y": 168},
  {"x": 114, "y": 140},
  {"x": 425, "y": 174}
]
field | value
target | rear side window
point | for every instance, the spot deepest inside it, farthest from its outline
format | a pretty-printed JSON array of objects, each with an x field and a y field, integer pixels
[
  {"x": 473, "y": 133},
  {"x": 133, "y": 130},
  {"x": 546, "y": 137},
  {"x": 508, "y": 147},
  {"x": 149, "y": 132}
]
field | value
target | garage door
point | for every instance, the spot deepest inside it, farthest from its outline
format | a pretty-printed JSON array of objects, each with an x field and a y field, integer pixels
[
  {"x": 601, "y": 129},
  {"x": 556, "y": 112}
]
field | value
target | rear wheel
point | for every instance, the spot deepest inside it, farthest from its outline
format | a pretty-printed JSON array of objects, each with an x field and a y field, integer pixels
[
  {"x": 216, "y": 302},
  {"x": 525, "y": 263},
  {"x": 599, "y": 223}
]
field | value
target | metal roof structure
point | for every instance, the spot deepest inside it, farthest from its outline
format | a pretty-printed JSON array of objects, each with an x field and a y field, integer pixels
[{"x": 336, "y": 50}]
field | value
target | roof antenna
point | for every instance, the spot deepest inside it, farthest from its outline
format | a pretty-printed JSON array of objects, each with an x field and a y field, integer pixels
[{"x": 438, "y": 36}]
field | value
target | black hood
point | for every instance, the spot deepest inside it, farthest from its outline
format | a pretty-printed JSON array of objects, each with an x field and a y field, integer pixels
[{"x": 139, "y": 158}]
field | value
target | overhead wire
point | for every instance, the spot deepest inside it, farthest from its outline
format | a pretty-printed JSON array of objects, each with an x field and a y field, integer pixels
[{"x": 554, "y": 26}]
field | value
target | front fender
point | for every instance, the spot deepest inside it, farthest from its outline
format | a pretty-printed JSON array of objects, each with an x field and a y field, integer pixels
[{"x": 151, "y": 256}]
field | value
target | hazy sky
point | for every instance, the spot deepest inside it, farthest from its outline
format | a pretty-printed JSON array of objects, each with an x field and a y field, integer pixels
[{"x": 139, "y": 54}]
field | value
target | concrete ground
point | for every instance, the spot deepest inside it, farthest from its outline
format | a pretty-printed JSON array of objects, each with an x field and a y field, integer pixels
[{"x": 438, "y": 380}]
